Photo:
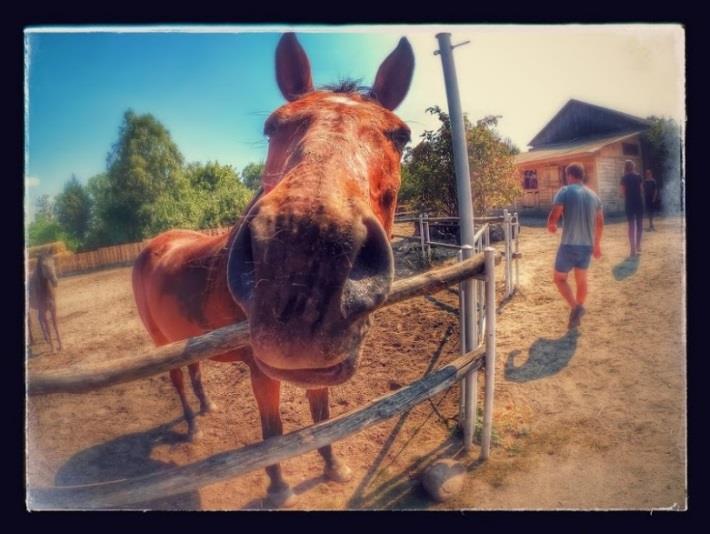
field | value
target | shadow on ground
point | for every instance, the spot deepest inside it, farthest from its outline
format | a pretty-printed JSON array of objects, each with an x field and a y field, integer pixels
[
  {"x": 400, "y": 490},
  {"x": 403, "y": 491},
  {"x": 546, "y": 357},
  {"x": 626, "y": 268},
  {"x": 442, "y": 305},
  {"x": 122, "y": 458}
]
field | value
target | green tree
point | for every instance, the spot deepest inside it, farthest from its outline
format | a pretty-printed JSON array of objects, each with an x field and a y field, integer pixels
[
  {"x": 100, "y": 232},
  {"x": 145, "y": 180},
  {"x": 662, "y": 151},
  {"x": 428, "y": 177},
  {"x": 217, "y": 196},
  {"x": 43, "y": 230},
  {"x": 73, "y": 209},
  {"x": 44, "y": 207},
  {"x": 251, "y": 175}
]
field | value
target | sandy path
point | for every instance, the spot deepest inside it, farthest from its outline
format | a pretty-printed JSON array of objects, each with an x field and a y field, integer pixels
[{"x": 588, "y": 421}]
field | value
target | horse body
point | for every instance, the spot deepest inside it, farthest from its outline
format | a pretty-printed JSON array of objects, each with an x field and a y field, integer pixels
[
  {"x": 42, "y": 297},
  {"x": 309, "y": 260}
]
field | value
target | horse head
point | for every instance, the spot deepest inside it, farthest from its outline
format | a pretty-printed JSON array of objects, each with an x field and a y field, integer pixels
[
  {"x": 312, "y": 258},
  {"x": 47, "y": 268}
]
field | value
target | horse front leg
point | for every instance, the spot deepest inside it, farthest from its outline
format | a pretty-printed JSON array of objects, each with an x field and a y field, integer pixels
[
  {"x": 53, "y": 312},
  {"x": 193, "y": 432},
  {"x": 206, "y": 404},
  {"x": 44, "y": 326},
  {"x": 267, "y": 393},
  {"x": 335, "y": 469}
]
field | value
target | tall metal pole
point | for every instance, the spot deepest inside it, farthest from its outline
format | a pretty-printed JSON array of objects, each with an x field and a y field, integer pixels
[{"x": 465, "y": 209}]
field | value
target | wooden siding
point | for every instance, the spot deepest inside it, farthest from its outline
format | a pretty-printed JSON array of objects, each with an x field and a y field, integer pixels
[
  {"x": 603, "y": 171},
  {"x": 548, "y": 180}
]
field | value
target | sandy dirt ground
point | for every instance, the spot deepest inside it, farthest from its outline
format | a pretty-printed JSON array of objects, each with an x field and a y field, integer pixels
[{"x": 592, "y": 419}]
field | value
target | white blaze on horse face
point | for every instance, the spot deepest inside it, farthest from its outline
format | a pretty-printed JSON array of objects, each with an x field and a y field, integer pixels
[{"x": 339, "y": 99}]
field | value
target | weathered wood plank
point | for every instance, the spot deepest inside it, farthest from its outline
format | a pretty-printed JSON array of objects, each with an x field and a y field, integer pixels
[
  {"x": 230, "y": 464},
  {"x": 436, "y": 279},
  {"x": 89, "y": 377}
]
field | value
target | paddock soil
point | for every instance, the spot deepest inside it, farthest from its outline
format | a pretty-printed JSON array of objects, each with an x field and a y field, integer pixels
[{"x": 587, "y": 419}]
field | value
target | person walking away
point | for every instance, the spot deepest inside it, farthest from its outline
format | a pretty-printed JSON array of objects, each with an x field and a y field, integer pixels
[
  {"x": 650, "y": 193},
  {"x": 633, "y": 204},
  {"x": 583, "y": 223}
]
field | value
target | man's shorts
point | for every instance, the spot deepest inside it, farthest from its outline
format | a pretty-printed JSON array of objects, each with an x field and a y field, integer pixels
[
  {"x": 634, "y": 214},
  {"x": 572, "y": 256}
]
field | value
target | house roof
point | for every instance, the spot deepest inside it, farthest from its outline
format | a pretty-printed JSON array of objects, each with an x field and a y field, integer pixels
[
  {"x": 578, "y": 121},
  {"x": 569, "y": 150}
]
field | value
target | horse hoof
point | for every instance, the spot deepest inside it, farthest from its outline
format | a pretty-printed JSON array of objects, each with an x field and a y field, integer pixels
[
  {"x": 339, "y": 473},
  {"x": 209, "y": 408},
  {"x": 284, "y": 498},
  {"x": 194, "y": 435}
]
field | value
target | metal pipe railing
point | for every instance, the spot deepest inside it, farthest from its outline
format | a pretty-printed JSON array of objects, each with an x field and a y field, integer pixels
[{"x": 490, "y": 353}]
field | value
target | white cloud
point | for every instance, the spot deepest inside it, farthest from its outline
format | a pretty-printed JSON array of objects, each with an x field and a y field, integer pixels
[{"x": 31, "y": 181}]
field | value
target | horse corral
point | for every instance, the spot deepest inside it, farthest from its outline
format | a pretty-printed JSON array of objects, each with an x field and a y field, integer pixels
[
  {"x": 312, "y": 339},
  {"x": 587, "y": 421}
]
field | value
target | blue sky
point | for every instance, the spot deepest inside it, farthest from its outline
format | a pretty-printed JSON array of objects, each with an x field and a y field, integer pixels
[{"x": 214, "y": 90}]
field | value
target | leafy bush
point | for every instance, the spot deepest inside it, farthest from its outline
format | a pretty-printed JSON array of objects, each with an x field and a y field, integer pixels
[{"x": 428, "y": 174}]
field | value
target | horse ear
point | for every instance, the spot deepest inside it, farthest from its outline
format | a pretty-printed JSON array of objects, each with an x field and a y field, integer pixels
[
  {"x": 293, "y": 70},
  {"x": 394, "y": 76}
]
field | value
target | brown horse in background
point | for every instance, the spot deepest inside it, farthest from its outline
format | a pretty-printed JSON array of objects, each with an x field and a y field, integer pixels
[
  {"x": 309, "y": 260},
  {"x": 42, "y": 292}
]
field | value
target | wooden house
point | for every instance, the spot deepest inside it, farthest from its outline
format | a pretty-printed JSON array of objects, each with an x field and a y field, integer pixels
[{"x": 599, "y": 138}]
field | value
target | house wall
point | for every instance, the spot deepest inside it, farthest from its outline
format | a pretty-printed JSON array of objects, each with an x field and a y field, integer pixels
[
  {"x": 603, "y": 172},
  {"x": 549, "y": 176}
]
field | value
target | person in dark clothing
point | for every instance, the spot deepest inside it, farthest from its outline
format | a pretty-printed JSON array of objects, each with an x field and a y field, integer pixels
[
  {"x": 650, "y": 193},
  {"x": 631, "y": 189}
]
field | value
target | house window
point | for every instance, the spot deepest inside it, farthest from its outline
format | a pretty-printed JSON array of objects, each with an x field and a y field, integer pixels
[
  {"x": 530, "y": 180},
  {"x": 630, "y": 149},
  {"x": 562, "y": 177}
]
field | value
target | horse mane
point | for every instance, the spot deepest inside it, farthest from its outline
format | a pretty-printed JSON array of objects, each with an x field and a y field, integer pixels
[{"x": 349, "y": 85}]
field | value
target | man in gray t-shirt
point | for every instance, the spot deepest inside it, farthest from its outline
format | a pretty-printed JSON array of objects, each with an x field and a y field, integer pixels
[{"x": 581, "y": 237}]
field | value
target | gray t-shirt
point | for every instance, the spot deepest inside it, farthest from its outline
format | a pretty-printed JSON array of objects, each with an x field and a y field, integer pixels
[{"x": 580, "y": 210}]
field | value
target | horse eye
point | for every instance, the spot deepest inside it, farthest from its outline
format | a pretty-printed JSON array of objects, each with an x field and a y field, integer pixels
[
  {"x": 400, "y": 137},
  {"x": 271, "y": 125},
  {"x": 269, "y": 129}
]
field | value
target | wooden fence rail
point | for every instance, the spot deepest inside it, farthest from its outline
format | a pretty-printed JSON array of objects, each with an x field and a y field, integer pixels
[
  {"x": 226, "y": 465},
  {"x": 478, "y": 220},
  {"x": 180, "y": 353}
]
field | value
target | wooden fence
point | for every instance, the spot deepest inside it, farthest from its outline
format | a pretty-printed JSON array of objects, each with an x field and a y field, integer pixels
[
  {"x": 113, "y": 256},
  {"x": 236, "y": 462}
]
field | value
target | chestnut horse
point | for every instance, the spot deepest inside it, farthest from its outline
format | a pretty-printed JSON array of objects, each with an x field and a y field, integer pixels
[
  {"x": 42, "y": 292},
  {"x": 310, "y": 259}
]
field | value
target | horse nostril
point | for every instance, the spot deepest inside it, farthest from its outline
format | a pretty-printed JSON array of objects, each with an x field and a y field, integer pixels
[
  {"x": 240, "y": 267},
  {"x": 371, "y": 274}
]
